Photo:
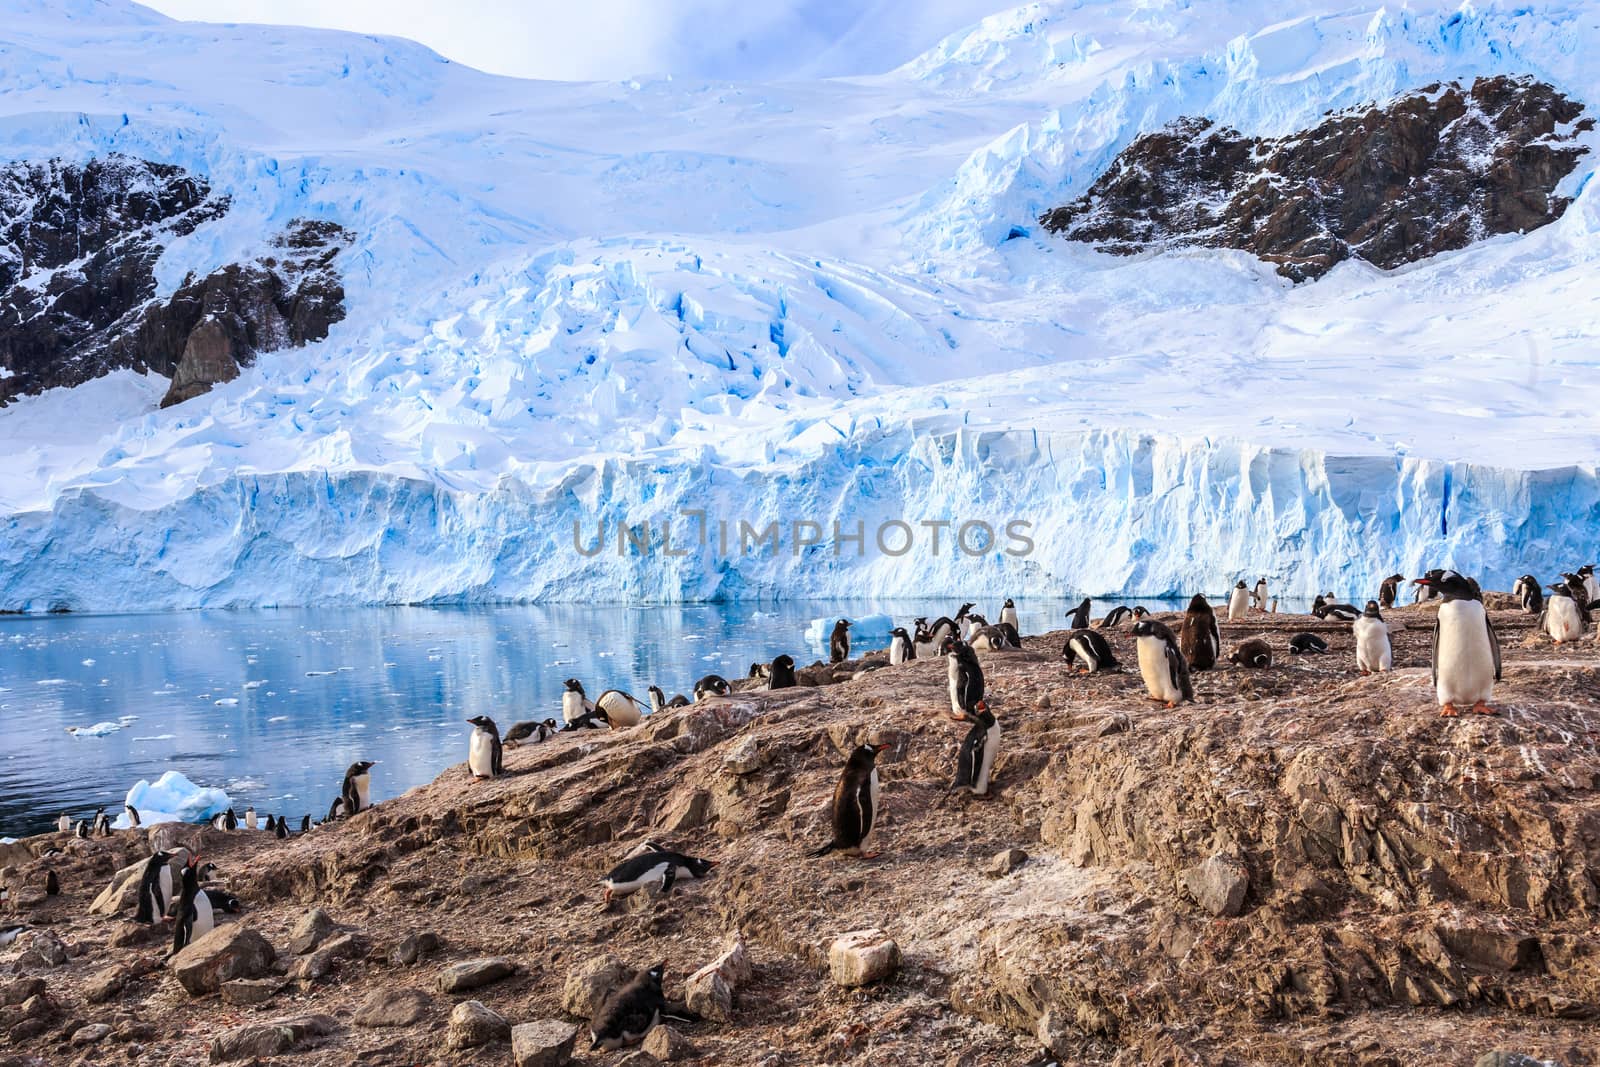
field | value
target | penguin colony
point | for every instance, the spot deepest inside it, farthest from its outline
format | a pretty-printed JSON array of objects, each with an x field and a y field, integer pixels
[{"x": 1465, "y": 664}]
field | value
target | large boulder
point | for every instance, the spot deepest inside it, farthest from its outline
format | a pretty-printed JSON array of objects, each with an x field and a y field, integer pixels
[
  {"x": 312, "y": 929},
  {"x": 862, "y": 957},
  {"x": 474, "y": 974},
  {"x": 122, "y": 894},
  {"x": 269, "y": 1039},
  {"x": 588, "y": 983},
  {"x": 473, "y": 1023},
  {"x": 228, "y": 952},
  {"x": 546, "y": 1043},
  {"x": 389, "y": 1006},
  {"x": 1218, "y": 885}
]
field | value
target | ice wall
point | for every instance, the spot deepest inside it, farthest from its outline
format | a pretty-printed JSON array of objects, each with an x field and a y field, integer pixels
[{"x": 1109, "y": 513}]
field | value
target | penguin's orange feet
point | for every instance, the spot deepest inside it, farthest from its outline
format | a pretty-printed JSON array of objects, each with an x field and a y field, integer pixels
[
  {"x": 870, "y": 855},
  {"x": 1449, "y": 711},
  {"x": 1366, "y": 674},
  {"x": 1483, "y": 709},
  {"x": 1171, "y": 705}
]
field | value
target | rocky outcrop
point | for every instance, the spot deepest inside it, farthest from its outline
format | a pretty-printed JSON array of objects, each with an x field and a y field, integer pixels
[
  {"x": 79, "y": 243},
  {"x": 1427, "y": 172}
]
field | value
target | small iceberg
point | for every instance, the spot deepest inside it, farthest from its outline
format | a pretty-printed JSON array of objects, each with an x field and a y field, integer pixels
[
  {"x": 99, "y": 729},
  {"x": 173, "y": 798},
  {"x": 866, "y": 633},
  {"x": 227, "y": 702}
]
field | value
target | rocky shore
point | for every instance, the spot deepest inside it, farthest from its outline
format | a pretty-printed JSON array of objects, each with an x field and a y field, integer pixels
[{"x": 1305, "y": 866}]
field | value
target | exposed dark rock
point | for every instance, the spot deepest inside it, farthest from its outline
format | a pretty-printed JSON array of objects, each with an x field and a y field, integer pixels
[
  {"x": 1427, "y": 172},
  {"x": 79, "y": 244}
]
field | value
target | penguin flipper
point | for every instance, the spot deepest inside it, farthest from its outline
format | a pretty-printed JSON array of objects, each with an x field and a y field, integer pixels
[
  {"x": 1179, "y": 669},
  {"x": 1433, "y": 659},
  {"x": 1494, "y": 644}
]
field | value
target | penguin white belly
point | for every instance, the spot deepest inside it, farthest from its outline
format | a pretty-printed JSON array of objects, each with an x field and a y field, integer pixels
[
  {"x": 1592, "y": 586},
  {"x": 872, "y": 823},
  {"x": 1157, "y": 675},
  {"x": 480, "y": 756},
  {"x": 924, "y": 649},
  {"x": 1009, "y": 615},
  {"x": 165, "y": 881},
  {"x": 897, "y": 653},
  {"x": 1562, "y": 619},
  {"x": 572, "y": 706},
  {"x": 620, "y": 711},
  {"x": 1373, "y": 652},
  {"x": 991, "y": 747},
  {"x": 1465, "y": 658},
  {"x": 204, "y": 920},
  {"x": 955, "y": 688},
  {"x": 1238, "y": 604},
  {"x": 363, "y": 782},
  {"x": 655, "y": 875}
]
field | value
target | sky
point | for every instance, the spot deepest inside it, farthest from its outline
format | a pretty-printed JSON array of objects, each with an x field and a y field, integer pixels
[{"x": 615, "y": 39}]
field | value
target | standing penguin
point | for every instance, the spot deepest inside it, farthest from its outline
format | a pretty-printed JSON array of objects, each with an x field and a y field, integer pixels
[
  {"x": 133, "y": 816},
  {"x": 102, "y": 823},
  {"x": 305, "y": 824},
  {"x": 155, "y": 888},
  {"x": 782, "y": 673},
  {"x": 1562, "y": 618},
  {"x": 1591, "y": 584},
  {"x": 485, "y": 755},
  {"x": 250, "y": 818},
  {"x": 1078, "y": 617},
  {"x": 1466, "y": 652},
  {"x": 1258, "y": 595},
  {"x": 965, "y": 676},
  {"x": 839, "y": 642},
  {"x": 900, "y": 648},
  {"x": 621, "y": 710},
  {"x": 81, "y": 829},
  {"x": 357, "y": 787},
  {"x": 280, "y": 830},
  {"x": 1527, "y": 590},
  {"x": 975, "y": 762},
  {"x": 1238, "y": 602},
  {"x": 1008, "y": 613},
  {"x": 64, "y": 824},
  {"x": 195, "y": 919},
  {"x": 855, "y": 804},
  {"x": 1161, "y": 662},
  {"x": 922, "y": 644},
  {"x": 52, "y": 884},
  {"x": 272, "y": 824},
  {"x": 1389, "y": 590},
  {"x": 574, "y": 704},
  {"x": 1090, "y": 650},
  {"x": 1373, "y": 650},
  {"x": 1200, "y": 638}
]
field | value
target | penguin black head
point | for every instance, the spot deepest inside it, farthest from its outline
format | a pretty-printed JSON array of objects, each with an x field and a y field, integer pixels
[
  {"x": 1008, "y": 603},
  {"x": 899, "y": 631},
  {"x": 1562, "y": 590},
  {"x": 1239, "y": 584},
  {"x": 657, "y": 973},
  {"x": 1449, "y": 584},
  {"x": 699, "y": 867},
  {"x": 786, "y": 660},
  {"x": 1140, "y": 611},
  {"x": 483, "y": 722},
  {"x": 842, "y": 624},
  {"x": 1372, "y": 611},
  {"x": 1199, "y": 604},
  {"x": 575, "y": 686},
  {"x": 1144, "y": 628},
  {"x": 361, "y": 767},
  {"x": 867, "y": 754},
  {"x": 205, "y": 871}
]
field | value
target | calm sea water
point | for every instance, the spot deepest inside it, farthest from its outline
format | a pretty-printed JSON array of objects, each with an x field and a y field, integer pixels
[{"x": 273, "y": 705}]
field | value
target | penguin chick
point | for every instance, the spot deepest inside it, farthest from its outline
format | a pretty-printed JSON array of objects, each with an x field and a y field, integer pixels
[
  {"x": 855, "y": 804},
  {"x": 628, "y": 1014},
  {"x": 1254, "y": 652}
]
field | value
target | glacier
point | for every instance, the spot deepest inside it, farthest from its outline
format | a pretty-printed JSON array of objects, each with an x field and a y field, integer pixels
[{"x": 587, "y": 306}]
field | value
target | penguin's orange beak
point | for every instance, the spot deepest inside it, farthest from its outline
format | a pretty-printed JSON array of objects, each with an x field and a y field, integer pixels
[
  {"x": 882, "y": 748},
  {"x": 1420, "y": 581}
]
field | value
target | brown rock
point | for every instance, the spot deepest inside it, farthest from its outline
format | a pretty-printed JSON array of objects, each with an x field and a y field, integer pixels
[
  {"x": 270, "y": 1039},
  {"x": 473, "y": 1023},
  {"x": 92, "y": 1033},
  {"x": 862, "y": 957},
  {"x": 44, "y": 950},
  {"x": 1006, "y": 861},
  {"x": 228, "y": 952},
  {"x": 474, "y": 974},
  {"x": 122, "y": 894},
  {"x": 312, "y": 929},
  {"x": 105, "y": 984},
  {"x": 414, "y": 947},
  {"x": 245, "y": 991},
  {"x": 1218, "y": 885},
  {"x": 637, "y": 1058},
  {"x": 667, "y": 1045},
  {"x": 127, "y": 934},
  {"x": 546, "y": 1043},
  {"x": 589, "y": 982},
  {"x": 392, "y": 1007},
  {"x": 20, "y": 989},
  {"x": 319, "y": 964}
]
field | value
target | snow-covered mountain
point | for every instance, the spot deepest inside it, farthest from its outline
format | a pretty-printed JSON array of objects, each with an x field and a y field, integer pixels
[{"x": 826, "y": 301}]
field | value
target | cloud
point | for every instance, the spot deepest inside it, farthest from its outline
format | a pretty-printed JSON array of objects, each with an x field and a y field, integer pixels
[{"x": 615, "y": 39}]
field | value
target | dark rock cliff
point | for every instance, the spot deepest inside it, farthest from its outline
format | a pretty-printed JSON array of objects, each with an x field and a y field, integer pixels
[
  {"x": 1425, "y": 173},
  {"x": 78, "y": 250}
]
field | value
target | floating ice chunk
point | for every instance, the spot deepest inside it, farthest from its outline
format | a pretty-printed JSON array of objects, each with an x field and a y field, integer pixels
[
  {"x": 52, "y": 681},
  {"x": 227, "y": 702},
  {"x": 88, "y": 662},
  {"x": 99, "y": 729},
  {"x": 173, "y": 798},
  {"x": 256, "y": 684}
]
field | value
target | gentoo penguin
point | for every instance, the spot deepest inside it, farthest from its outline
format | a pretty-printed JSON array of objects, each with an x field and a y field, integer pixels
[
  {"x": 971, "y": 625},
  {"x": 621, "y": 709},
  {"x": 839, "y": 642},
  {"x": 1389, "y": 590},
  {"x": 485, "y": 754},
  {"x": 781, "y": 675},
  {"x": 855, "y": 804},
  {"x": 81, "y": 829},
  {"x": 1238, "y": 602},
  {"x": 1527, "y": 590},
  {"x": 1115, "y": 617},
  {"x": 1252, "y": 652},
  {"x": 1307, "y": 645},
  {"x": 223, "y": 901},
  {"x": 305, "y": 824},
  {"x": 1343, "y": 612},
  {"x": 194, "y": 919},
  {"x": 658, "y": 697},
  {"x": 357, "y": 786},
  {"x": 535, "y": 730},
  {"x": 102, "y": 823},
  {"x": 976, "y": 759},
  {"x": 52, "y": 884},
  {"x": 900, "y": 649},
  {"x": 1200, "y": 638},
  {"x": 1090, "y": 651},
  {"x": 9, "y": 934},
  {"x": 155, "y": 888},
  {"x": 629, "y": 1013},
  {"x": 712, "y": 685},
  {"x": 1466, "y": 652},
  {"x": 1008, "y": 613},
  {"x": 1580, "y": 591},
  {"x": 1258, "y": 595},
  {"x": 133, "y": 816},
  {"x": 657, "y": 867},
  {"x": 965, "y": 676},
  {"x": 64, "y": 824},
  {"x": 335, "y": 810},
  {"x": 219, "y": 821},
  {"x": 1591, "y": 584},
  {"x": 574, "y": 704},
  {"x": 1373, "y": 651},
  {"x": 988, "y": 638},
  {"x": 272, "y": 824},
  {"x": 1078, "y": 617},
  {"x": 1562, "y": 618},
  {"x": 922, "y": 643},
  {"x": 1161, "y": 663},
  {"x": 1423, "y": 593},
  {"x": 250, "y": 818},
  {"x": 280, "y": 829}
]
